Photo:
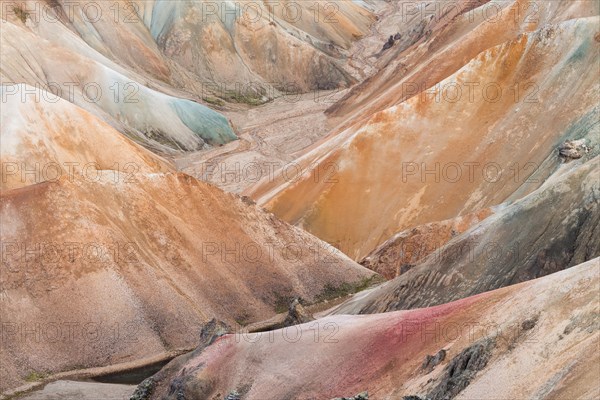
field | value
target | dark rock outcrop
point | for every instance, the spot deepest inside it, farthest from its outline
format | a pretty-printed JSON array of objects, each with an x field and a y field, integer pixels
[
  {"x": 297, "y": 314},
  {"x": 360, "y": 396},
  {"x": 405, "y": 268},
  {"x": 462, "y": 369},
  {"x": 459, "y": 372},
  {"x": 144, "y": 390},
  {"x": 389, "y": 44},
  {"x": 573, "y": 150},
  {"x": 431, "y": 362},
  {"x": 212, "y": 331},
  {"x": 181, "y": 387},
  {"x": 529, "y": 324}
]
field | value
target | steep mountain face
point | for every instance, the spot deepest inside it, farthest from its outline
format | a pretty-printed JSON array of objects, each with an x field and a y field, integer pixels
[
  {"x": 69, "y": 69},
  {"x": 439, "y": 38},
  {"x": 68, "y": 257},
  {"x": 267, "y": 43},
  {"x": 553, "y": 228},
  {"x": 472, "y": 138},
  {"x": 532, "y": 340},
  {"x": 109, "y": 255},
  {"x": 137, "y": 64}
]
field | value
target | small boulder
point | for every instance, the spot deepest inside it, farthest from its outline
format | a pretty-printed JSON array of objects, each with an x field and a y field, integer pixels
[
  {"x": 213, "y": 330},
  {"x": 529, "y": 324},
  {"x": 431, "y": 362},
  {"x": 360, "y": 396},
  {"x": 388, "y": 44},
  {"x": 233, "y": 396},
  {"x": 247, "y": 200},
  {"x": 404, "y": 268},
  {"x": 297, "y": 314},
  {"x": 573, "y": 150},
  {"x": 144, "y": 390}
]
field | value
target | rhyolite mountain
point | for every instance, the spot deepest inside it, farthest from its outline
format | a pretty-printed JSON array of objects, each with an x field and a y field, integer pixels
[{"x": 177, "y": 173}]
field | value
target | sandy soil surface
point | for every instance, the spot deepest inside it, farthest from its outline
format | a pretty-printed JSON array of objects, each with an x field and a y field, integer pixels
[
  {"x": 73, "y": 390},
  {"x": 272, "y": 137}
]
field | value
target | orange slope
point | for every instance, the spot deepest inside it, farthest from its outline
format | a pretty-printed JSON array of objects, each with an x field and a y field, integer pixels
[{"x": 457, "y": 148}]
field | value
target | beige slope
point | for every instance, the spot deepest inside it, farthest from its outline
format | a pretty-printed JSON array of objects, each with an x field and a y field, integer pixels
[
  {"x": 272, "y": 136},
  {"x": 164, "y": 122},
  {"x": 191, "y": 44},
  {"x": 481, "y": 149},
  {"x": 267, "y": 43},
  {"x": 533, "y": 340},
  {"x": 44, "y": 140}
]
